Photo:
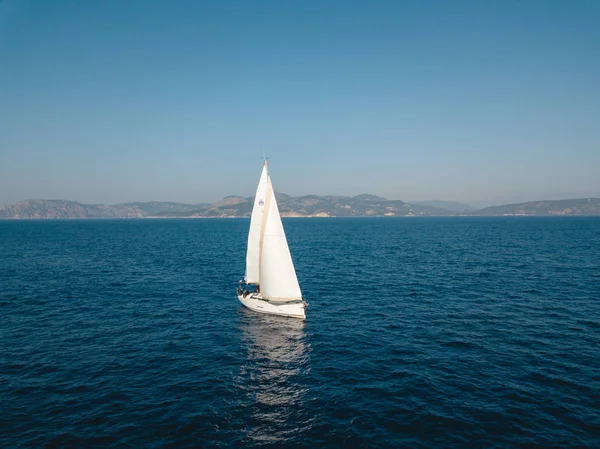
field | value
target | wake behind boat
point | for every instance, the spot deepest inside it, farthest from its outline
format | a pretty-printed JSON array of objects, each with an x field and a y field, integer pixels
[{"x": 269, "y": 265}]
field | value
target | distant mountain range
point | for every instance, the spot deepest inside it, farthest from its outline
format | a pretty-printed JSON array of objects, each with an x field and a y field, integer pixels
[
  {"x": 303, "y": 206},
  {"x": 583, "y": 206},
  {"x": 451, "y": 206}
]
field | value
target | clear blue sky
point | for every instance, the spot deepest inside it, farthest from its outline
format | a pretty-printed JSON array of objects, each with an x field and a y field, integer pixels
[{"x": 476, "y": 101}]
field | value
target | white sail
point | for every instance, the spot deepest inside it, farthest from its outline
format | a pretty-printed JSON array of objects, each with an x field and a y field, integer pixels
[
  {"x": 278, "y": 281},
  {"x": 254, "y": 235}
]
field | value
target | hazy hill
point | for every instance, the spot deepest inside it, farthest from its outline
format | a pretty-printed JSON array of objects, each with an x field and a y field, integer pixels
[
  {"x": 451, "y": 206},
  {"x": 583, "y": 206},
  {"x": 39, "y": 208},
  {"x": 152, "y": 208}
]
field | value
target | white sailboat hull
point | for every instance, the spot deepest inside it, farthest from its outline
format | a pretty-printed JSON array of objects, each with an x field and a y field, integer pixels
[{"x": 292, "y": 309}]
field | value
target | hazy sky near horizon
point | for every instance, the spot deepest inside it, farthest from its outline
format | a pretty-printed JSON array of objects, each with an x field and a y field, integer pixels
[{"x": 476, "y": 101}]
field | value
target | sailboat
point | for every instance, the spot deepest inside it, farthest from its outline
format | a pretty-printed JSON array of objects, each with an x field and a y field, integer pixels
[{"x": 269, "y": 264}]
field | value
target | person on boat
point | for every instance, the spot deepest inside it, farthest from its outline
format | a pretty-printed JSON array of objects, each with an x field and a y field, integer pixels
[
  {"x": 258, "y": 289},
  {"x": 239, "y": 291},
  {"x": 246, "y": 293}
]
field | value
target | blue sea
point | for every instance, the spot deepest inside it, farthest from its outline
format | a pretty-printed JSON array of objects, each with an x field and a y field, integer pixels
[{"x": 421, "y": 332}]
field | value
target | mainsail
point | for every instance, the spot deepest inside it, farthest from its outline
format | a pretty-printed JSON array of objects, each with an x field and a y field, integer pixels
[{"x": 255, "y": 234}]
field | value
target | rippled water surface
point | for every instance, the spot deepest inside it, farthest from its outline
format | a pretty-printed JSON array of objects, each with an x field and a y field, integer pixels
[{"x": 422, "y": 332}]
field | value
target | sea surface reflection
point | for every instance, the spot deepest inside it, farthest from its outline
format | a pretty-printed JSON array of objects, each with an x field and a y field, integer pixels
[{"x": 270, "y": 379}]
